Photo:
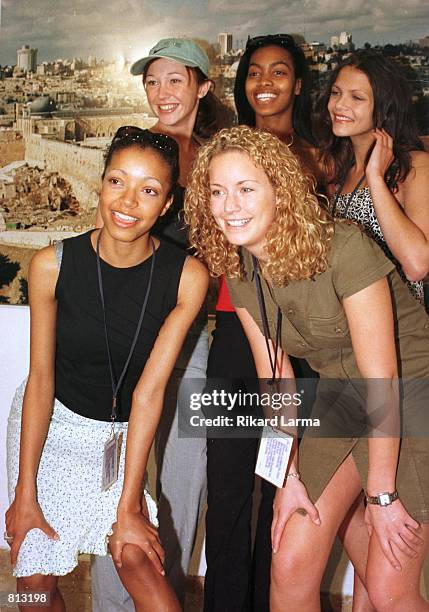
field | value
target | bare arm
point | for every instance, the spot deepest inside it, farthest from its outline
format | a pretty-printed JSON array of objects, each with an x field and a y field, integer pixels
[
  {"x": 293, "y": 496},
  {"x": 370, "y": 318},
  {"x": 24, "y": 513},
  {"x": 259, "y": 348},
  {"x": 39, "y": 392},
  {"x": 403, "y": 217},
  {"x": 148, "y": 396}
]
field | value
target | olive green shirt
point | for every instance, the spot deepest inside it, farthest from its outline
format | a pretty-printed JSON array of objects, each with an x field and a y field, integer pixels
[{"x": 314, "y": 325}]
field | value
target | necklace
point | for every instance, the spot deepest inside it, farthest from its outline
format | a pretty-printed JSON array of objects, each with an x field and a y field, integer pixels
[
  {"x": 116, "y": 383},
  {"x": 350, "y": 199}
]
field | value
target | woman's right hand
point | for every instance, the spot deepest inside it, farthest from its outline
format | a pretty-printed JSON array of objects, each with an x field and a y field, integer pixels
[
  {"x": 292, "y": 497},
  {"x": 133, "y": 527},
  {"x": 25, "y": 514}
]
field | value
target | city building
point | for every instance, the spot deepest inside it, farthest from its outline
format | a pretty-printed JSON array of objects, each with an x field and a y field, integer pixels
[
  {"x": 335, "y": 41},
  {"x": 343, "y": 42},
  {"x": 345, "y": 38},
  {"x": 26, "y": 58},
  {"x": 225, "y": 43}
]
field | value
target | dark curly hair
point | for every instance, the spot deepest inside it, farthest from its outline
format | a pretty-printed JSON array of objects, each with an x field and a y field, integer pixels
[
  {"x": 392, "y": 111},
  {"x": 301, "y": 118}
]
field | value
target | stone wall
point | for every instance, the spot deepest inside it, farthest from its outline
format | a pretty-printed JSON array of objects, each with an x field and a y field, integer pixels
[
  {"x": 30, "y": 239},
  {"x": 80, "y": 166},
  {"x": 11, "y": 151}
]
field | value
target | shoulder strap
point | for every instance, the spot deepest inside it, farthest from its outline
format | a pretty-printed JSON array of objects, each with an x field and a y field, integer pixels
[{"x": 58, "y": 245}]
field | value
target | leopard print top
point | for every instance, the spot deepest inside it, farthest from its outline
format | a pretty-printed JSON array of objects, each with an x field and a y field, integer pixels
[{"x": 361, "y": 209}]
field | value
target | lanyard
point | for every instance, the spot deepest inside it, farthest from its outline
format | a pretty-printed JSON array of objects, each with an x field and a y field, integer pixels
[
  {"x": 116, "y": 385},
  {"x": 263, "y": 311},
  {"x": 349, "y": 199}
]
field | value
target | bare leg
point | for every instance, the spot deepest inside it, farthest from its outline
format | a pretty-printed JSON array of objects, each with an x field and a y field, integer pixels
[
  {"x": 297, "y": 568},
  {"x": 38, "y": 583},
  {"x": 361, "y": 600},
  {"x": 393, "y": 591},
  {"x": 149, "y": 590},
  {"x": 354, "y": 536}
]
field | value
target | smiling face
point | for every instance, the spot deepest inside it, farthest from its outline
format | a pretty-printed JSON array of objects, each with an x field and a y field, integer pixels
[
  {"x": 271, "y": 85},
  {"x": 134, "y": 193},
  {"x": 351, "y": 103},
  {"x": 173, "y": 92},
  {"x": 242, "y": 200}
]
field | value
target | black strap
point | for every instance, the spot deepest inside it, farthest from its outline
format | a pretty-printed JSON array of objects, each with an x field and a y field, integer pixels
[
  {"x": 349, "y": 199},
  {"x": 263, "y": 311},
  {"x": 116, "y": 385}
]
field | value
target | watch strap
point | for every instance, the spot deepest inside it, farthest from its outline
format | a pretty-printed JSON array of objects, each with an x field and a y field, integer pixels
[{"x": 382, "y": 499}]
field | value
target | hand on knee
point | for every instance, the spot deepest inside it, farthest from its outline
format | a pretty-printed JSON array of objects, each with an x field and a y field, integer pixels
[
  {"x": 133, "y": 558},
  {"x": 135, "y": 562}
]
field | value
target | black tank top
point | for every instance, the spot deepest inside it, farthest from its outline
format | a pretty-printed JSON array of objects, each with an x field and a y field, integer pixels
[{"x": 82, "y": 377}]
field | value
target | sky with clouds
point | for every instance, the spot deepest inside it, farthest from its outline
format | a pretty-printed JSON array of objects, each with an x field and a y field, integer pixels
[{"x": 128, "y": 28}]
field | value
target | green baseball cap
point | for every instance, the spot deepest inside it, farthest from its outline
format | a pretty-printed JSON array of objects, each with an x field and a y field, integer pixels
[{"x": 180, "y": 50}]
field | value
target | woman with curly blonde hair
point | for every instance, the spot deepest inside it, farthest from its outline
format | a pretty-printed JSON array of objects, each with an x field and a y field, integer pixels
[
  {"x": 325, "y": 292},
  {"x": 272, "y": 93},
  {"x": 299, "y": 215}
]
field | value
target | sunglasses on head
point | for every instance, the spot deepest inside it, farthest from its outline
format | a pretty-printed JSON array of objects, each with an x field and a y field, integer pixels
[
  {"x": 136, "y": 134},
  {"x": 283, "y": 40}
]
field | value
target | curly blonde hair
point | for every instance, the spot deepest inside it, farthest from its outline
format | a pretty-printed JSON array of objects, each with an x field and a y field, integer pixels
[{"x": 297, "y": 243}]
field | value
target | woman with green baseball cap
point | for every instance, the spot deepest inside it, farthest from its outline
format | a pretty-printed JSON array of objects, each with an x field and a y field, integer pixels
[
  {"x": 175, "y": 76},
  {"x": 181, "y": 50},
  {"x": 176, "y": 79}
]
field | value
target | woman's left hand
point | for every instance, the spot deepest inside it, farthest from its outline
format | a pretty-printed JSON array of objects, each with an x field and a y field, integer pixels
[
  {"x": 135, "y": 528},
  {"x": 395, "y": 529},
  {"x": 289, "y": 499},
  {"x": 381, "y": 156}
]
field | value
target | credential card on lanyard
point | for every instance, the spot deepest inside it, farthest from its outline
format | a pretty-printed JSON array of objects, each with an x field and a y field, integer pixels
[
  {"x": 273, "y": 455},
  {"x": 112, "y": 450}
]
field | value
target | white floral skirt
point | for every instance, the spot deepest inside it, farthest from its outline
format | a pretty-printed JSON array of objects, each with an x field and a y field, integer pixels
[{"x": 68, "y": 490}]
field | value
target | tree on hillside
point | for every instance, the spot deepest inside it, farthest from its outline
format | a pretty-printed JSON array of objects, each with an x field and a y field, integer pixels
[
  {"x": 23, "y": 290},
  {"x": 8, "y": 271}
]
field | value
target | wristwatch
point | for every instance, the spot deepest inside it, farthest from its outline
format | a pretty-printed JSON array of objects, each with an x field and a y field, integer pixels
[{"x": 382, "y": 499}]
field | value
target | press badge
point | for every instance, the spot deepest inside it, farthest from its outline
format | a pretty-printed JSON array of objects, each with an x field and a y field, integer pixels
[
  {"x": 112, "y": 451},
  {"x": 273, "y": 455}
]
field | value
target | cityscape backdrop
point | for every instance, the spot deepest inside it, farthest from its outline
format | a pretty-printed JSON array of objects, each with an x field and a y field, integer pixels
[{"x": 65, "y": 88}]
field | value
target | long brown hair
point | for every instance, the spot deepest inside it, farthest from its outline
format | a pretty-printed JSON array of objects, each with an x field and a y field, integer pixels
[
  {"x": 212, "y": 114},
  {"x": 392, "y": 112}
]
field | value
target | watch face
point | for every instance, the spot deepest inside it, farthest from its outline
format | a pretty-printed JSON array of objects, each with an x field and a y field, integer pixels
[{"x": 384, "y": 499}]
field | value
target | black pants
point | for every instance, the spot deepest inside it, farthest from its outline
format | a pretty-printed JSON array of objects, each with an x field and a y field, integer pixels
[
  {"x": 235, "y": 580},
  {"x": 233, "y": 583}
]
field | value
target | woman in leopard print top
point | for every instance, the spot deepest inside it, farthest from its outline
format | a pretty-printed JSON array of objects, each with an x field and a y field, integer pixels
[{"x": 378, "y": 169}]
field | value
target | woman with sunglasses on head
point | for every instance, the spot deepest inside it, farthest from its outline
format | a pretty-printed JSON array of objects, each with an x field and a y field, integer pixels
[
  {"x": 110, "y": 310},
  {"x": 271, "y": 92},
  {"x": 175, "y": 77},
  {"x": 333, "y": 298}
]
